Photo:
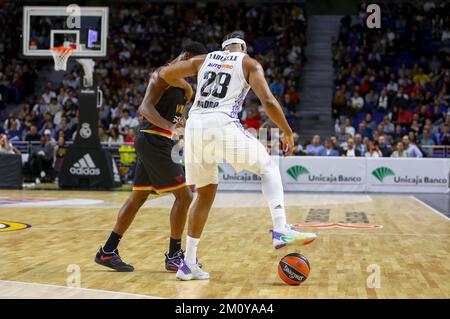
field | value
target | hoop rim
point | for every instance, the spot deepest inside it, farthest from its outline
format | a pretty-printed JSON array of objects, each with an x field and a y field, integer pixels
[
  {"x": 62, "y": 49},
  {"x": 60, "y": 56}
]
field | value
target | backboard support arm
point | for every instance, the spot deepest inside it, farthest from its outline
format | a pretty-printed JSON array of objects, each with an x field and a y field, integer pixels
[{"x": 88, "y": 68}]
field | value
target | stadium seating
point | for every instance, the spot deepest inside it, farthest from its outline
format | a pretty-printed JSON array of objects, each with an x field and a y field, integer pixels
[
  {"x": 392, "y": 59},
  {"x": 139, "y": 44}
]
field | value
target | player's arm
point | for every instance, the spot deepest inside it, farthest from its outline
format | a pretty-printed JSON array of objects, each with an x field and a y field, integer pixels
[
  {"x": 155, "y": 90},
  {"x": 183, "y": 84},
  {"x": 257, "y": 81},
  {"x": 181, "y": 69}
]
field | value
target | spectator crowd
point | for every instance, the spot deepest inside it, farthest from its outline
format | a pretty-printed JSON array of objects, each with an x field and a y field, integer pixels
[
  {"x": 142, "y": 37},
  {"x": 392, "y": 84}
]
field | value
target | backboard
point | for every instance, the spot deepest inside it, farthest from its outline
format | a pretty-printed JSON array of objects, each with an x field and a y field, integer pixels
[{"x": 85, "y": 29}]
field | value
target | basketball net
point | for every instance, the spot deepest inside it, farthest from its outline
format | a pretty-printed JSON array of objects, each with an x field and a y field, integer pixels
[{"x": 60, "y": 56}]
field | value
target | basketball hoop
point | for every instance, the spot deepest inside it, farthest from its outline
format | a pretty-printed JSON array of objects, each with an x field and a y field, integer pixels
[{"x": 60, "y": 56}]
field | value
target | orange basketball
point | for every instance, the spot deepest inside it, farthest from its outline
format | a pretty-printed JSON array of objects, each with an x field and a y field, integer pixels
[{"x": 293, "y": 269}]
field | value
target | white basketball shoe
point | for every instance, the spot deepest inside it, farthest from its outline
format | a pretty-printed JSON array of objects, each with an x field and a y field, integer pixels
[
  {"x": 191, "y": 272},
  {"x": 288, "y": 236}
]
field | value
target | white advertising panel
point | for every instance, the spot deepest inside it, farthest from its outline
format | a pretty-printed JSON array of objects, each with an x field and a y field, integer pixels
[
  {"x": 403, "y": 175},
  {"x": 339, "y": 174},
  {"x": 323, "y": 174},
  {"x": 244, "y": 180}
]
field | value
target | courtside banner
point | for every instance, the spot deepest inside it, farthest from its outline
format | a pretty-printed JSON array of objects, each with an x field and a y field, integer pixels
[
  {"x": 10, "y": 171},
  {"x": 244, "y": 180},
  {"x": 344, "y": 174},
  {"x": 408, "y": 175},
  {"x": 323, "y": 174}
]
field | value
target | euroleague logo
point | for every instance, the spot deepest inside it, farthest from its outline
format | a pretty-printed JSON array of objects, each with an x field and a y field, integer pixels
[
  {"x": 12, "y": 226},
  {"x": 293, "y": 275}
]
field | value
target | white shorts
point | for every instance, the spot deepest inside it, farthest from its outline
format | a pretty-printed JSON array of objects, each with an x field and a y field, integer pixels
[{"x": 215, "y": 137}]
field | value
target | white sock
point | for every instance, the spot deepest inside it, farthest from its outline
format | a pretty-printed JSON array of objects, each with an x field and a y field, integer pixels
[
  {"x": 191, "y": 250},
  {"x": 272, "y": 189}
]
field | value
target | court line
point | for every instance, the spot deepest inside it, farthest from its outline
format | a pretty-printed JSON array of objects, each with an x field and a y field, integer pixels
[
  {"x": 117, "y": 293},
  {"x": 360, "y": 198},
  {"x": 434, "y": 210},
  {"x": 322, "y": 231}
]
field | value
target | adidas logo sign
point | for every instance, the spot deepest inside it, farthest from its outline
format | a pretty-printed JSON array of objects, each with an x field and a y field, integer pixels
[{"x": 85, "y": 166}]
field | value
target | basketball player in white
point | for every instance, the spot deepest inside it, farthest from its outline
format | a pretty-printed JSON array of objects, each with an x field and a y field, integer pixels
[{"x": 213, "y": 131}]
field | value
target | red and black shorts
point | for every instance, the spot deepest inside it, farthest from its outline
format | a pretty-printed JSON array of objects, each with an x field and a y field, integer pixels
[{"x": 155, "y": 169}]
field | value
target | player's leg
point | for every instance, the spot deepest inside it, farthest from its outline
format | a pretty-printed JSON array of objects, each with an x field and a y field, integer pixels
[
  {"x": 201, "y": 171},
  {"x": 167, "y": 175},
  {"x": 197, "y": 219},
  {"x": 127, "y": 213},
  {"x": 108, "y": 255},
  {"x": 178, "y": 216},
  {"x": 244, "y": 151},
  {"x": 200, "y": 211},
  {"x": 272, "y": 189}
]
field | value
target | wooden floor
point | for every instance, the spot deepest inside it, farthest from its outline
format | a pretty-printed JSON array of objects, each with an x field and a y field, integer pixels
[{"x": 411, "y": 250}]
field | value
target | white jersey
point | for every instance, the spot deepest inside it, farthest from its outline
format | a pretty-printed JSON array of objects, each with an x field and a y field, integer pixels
[{"x": 221, "y": 84}]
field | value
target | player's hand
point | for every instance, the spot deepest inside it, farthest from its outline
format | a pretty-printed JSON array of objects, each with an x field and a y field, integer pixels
[
  {"x": 287, "y": 143},
  {"x": 181, "y": 123},
  {"x": 178, "y": 128}
]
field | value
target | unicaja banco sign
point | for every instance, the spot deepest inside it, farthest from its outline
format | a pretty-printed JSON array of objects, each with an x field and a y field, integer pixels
[
  {"x": 386, "y": 175},
  {"x": 229, "y": 175},
  {"x": 381, "y": 172},
  {"x": 297, "y": 171}
]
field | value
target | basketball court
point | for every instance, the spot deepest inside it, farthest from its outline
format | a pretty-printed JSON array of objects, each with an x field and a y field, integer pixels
[
  {"x": 399, "y": 237},
  {"x": 369, "y": 245}
]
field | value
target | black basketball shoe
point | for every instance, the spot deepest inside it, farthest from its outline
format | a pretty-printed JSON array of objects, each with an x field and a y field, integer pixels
[
  {"x": 174, "y": 262},
  {"x": 112, "y": 260}
]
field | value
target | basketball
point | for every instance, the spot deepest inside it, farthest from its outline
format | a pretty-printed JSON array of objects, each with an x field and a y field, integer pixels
[{"x": 293, "y": 269}]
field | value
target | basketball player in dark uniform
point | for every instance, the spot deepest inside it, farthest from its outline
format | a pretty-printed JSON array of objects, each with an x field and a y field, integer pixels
[{"x": 156, "y": 172}]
